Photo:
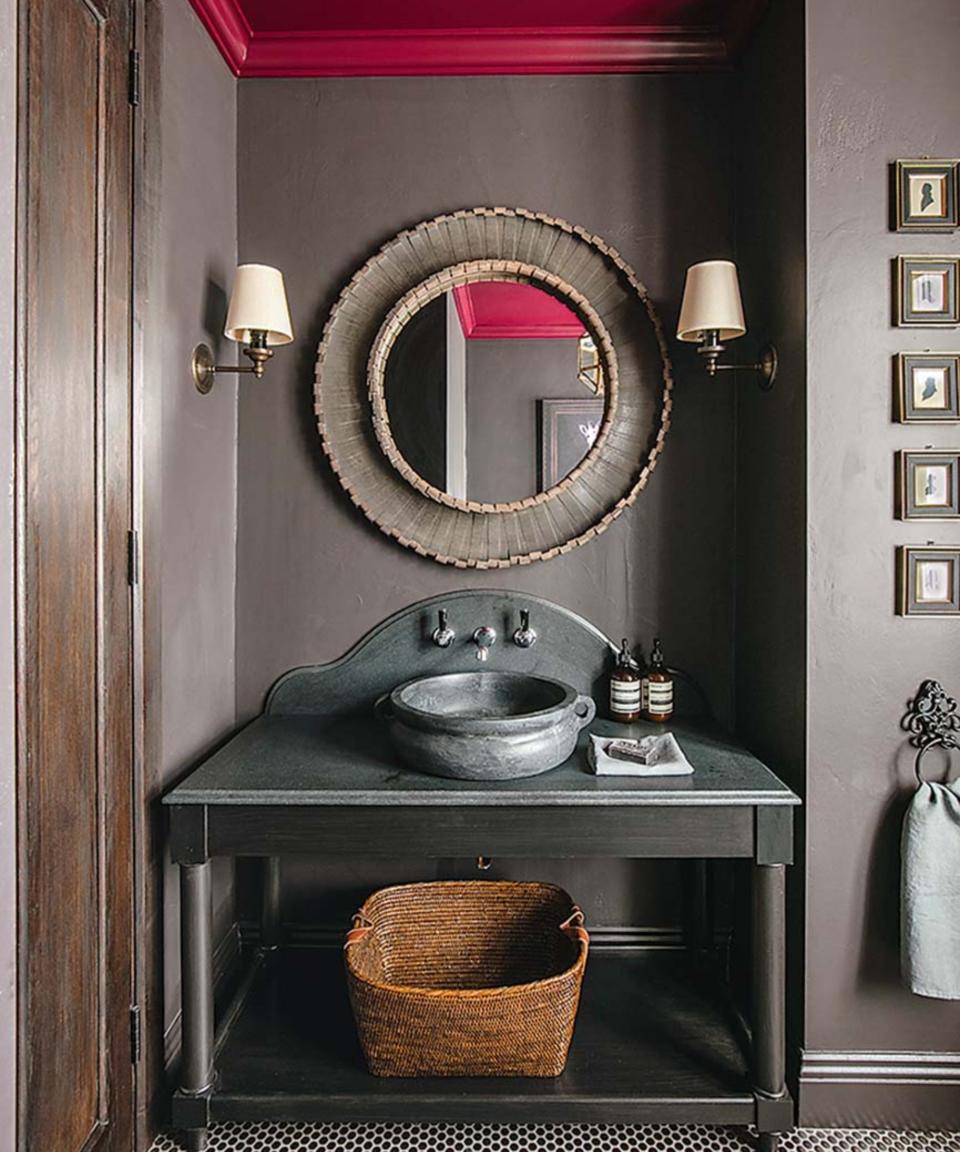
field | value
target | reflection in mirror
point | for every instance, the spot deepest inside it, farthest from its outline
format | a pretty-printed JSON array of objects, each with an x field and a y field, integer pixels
[{"x": 494, "y": 391}]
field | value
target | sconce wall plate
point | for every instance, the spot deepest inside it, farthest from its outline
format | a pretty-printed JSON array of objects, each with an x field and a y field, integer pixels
[{"x": 203, "y": 367}]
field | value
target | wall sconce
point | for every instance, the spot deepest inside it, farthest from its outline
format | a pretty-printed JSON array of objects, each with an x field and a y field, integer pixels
[
  {"x": 258, "y": 317},
  {"x": 712, "y": 311}
]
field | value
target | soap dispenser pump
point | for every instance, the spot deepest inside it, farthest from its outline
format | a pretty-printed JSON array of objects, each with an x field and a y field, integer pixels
[{"x": 625, "y": 687}]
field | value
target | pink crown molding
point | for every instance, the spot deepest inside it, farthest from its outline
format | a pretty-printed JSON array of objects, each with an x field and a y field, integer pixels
[
  {"x": 228, "y": 28},
  {"x": 470, "y": 52},
  {"x": 483, "y": 52}
]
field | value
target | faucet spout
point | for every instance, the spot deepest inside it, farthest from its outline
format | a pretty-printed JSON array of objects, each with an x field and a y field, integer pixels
[{"x": 484, "y": 638}]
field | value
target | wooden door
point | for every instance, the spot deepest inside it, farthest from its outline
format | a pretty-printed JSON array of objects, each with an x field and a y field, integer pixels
[{"x": 75, "y": 721}]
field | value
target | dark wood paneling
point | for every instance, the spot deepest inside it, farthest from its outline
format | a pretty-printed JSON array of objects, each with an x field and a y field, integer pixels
[{"x": 75, "y": 717}]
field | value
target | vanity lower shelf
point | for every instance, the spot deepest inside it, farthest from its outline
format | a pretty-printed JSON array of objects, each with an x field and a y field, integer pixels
[{"x": 655, "y": 1043}]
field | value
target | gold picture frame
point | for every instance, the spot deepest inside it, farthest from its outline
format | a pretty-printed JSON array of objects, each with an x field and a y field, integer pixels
[
  {"x": 928, "y": 581},
  {"x": 928, "y": 484},
  {"x": 925, "y": 294},
  {"x": 927, "y": 387},
  {"x": 925, "y": 195}
]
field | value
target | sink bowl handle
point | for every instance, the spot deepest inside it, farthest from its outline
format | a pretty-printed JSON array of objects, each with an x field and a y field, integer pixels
[{"x": 585, "y": 709}]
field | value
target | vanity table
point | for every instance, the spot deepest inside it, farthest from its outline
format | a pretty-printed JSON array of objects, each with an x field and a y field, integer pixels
[{"x": 657, "y": 1039}]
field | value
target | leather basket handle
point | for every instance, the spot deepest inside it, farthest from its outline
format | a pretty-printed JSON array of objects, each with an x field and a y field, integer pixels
[
  {"x": 573, "y": 926},
  {"x": 361, "y": 926}
]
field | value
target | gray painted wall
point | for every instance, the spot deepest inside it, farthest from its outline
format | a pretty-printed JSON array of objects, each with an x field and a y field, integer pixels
[
  {"x": 641, "y": 160},
  {"x": 8, "y": 799},
  {"x": 189, "y": 439},
  {"x": 878, "y": 88}
]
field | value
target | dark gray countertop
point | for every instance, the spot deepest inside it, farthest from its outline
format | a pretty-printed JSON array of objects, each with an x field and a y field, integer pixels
[{"x": 347, "y": 760}]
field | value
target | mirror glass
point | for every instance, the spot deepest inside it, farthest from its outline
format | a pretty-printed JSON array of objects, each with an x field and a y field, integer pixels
[{"x": 494, "y": 391}]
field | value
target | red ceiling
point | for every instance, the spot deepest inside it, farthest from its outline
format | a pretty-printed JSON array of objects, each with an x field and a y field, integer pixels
[
  {"x": 375, "y": 15},
  {"x": 438, "y": 37}
]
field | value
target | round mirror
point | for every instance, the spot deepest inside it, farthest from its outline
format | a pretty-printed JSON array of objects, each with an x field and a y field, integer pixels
[
  {"x": 493, "y": 391},
  {"x": 493, "y": 387}
]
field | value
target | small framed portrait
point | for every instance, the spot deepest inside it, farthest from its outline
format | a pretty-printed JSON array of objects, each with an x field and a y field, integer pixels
[
  {"x": 568, "y": 429},
  {"x": 927, "y": 388},
  {"x": 928, "y": 581},
  {"x": 925, "y": 195},
  {"x": 926, "y": 291},
  {"x": 927, "y": 485}
]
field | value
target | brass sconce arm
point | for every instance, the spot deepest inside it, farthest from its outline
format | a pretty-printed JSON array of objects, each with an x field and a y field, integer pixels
[
  {"x": 204, "y": 368},
  {"x": 766, "y": 364}
]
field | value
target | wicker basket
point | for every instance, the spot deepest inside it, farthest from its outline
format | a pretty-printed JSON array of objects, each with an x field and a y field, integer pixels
[{"x": 479, "y": 978}]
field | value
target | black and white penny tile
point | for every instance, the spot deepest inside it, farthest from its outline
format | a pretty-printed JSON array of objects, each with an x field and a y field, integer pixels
[{"x": 548, "y": 1138}]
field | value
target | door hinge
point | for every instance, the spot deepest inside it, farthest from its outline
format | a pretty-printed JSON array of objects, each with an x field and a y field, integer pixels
[
  {"x": 134, "y": 80},
  {"x": 133, "y": 558},
  {"x": 136, "y": 1043}
]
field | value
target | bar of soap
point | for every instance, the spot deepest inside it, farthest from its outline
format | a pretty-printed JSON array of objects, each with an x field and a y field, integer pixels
[{"x": 627, "y": 750}]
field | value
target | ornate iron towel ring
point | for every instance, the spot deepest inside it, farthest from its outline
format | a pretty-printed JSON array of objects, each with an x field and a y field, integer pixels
[{"x": 933, "y": 721}]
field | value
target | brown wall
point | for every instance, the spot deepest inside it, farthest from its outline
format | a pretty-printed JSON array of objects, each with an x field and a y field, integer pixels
[
  {"x": 189, "y": 439},
  {"x": 771, "y": 559},
  {"x": 354, "y": 161},
  {"x": 881, "y": 84},
  {"x": 640, "y": 160}
]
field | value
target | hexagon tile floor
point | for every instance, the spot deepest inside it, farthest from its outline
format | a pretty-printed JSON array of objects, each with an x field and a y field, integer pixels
[{"x": 548, "y": 1138}]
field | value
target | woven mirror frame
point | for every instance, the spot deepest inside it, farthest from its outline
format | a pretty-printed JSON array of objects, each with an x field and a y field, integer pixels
[{"x": 416, "y": 267}]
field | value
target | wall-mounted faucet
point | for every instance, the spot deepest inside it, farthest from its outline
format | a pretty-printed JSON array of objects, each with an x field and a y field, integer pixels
[
  {"x": 443, "y": 635},
  {"x": 525, "y": 636},
  {"x": 484, "y": 638}
]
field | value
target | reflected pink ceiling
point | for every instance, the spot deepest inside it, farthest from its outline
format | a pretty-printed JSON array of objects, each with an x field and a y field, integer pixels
[
  {"x": 498, "y": 310},
  {"x": 439, "y": 37}
]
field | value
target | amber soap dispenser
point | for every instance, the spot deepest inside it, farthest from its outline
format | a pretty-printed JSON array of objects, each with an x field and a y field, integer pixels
[
  {"x": 625, "y": 683},
  {"x": 659, "y": 685}
]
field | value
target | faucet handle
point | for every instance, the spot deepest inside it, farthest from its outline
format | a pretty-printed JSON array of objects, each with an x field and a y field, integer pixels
[
  {"x": 525, "y": 636},
  {"x": 443, "y": 635}
]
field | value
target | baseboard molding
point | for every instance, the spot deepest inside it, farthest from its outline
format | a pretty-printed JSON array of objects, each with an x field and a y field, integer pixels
[
  {"x": 851, "y": 1089},
  {"x": 226, "y": 964},
  {"x": 306, "y": 935}
]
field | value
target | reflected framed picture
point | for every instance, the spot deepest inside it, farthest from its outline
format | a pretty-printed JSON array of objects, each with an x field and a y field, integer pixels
[
  {"x": 928, "y": 581},
  {"x": 926, "y": 386},
  {"x": 568, "y": 429},
  {"x": 927, "y": 485},
  {"x": 925, "y": 195},
  {"x": 926, "y": 291}
]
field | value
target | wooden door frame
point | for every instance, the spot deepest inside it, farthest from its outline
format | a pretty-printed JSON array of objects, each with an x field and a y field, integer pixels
[{"x": 143, "y": 1130}]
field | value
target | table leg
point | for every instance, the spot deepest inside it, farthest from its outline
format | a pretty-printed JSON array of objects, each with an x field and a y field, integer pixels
[
  {"x": 270, "y": 904},
  {"x": 196, "y": 973},
  {"x": 769, "y": 988}
]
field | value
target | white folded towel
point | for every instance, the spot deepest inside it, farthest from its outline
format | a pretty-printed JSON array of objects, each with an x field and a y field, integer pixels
[{"x": 662, "y": 756}]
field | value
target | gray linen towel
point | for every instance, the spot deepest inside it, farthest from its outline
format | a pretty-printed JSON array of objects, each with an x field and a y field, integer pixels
[{"x": 930, "y": 892}]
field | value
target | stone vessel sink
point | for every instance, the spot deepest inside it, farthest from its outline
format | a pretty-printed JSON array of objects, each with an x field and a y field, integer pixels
[{"x": 485, "y": 725}]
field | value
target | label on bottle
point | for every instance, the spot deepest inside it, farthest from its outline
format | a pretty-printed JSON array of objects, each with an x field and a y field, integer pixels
[
  {"x": 624, "y": 697},
  {"x": 660, "y": 697}
]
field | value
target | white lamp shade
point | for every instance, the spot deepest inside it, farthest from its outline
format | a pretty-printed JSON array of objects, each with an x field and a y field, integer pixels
[
  {"x": 711, "y": 302},
  {"x": 258, "y": 303}
]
